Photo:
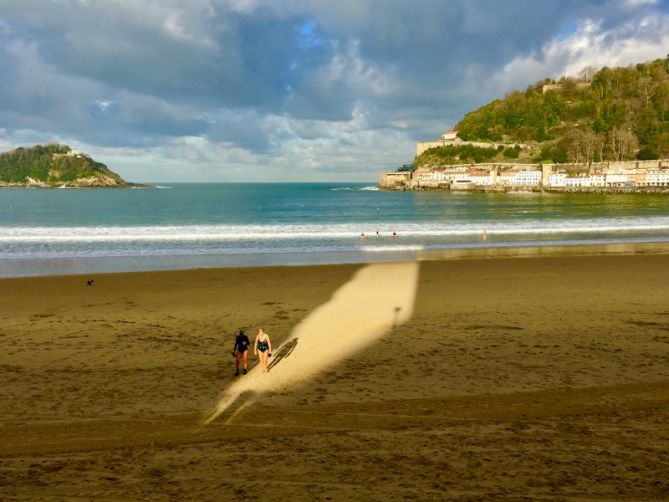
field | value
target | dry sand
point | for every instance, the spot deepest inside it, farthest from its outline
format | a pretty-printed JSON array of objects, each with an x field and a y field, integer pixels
[
  {"x": 537, "y": 378},
  {"x": 377, "y": 299}
]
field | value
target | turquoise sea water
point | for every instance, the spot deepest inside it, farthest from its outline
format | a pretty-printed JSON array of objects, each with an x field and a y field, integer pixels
[{"x": 192, "y": 225}]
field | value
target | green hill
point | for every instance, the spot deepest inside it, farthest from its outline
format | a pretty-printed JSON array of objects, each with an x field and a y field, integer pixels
[
  {"x": 610, "y": 114},
  {"x": 54, "y": 165}
]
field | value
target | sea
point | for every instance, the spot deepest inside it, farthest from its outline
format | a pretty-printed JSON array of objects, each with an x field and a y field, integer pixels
[{"x": 183, "y": 225}]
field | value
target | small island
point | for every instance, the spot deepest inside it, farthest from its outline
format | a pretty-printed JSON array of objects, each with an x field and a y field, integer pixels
[{"x": 55, "y": 166}]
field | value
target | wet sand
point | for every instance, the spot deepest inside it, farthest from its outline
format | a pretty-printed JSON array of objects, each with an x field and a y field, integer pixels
[{"x": 539, "y": 378}]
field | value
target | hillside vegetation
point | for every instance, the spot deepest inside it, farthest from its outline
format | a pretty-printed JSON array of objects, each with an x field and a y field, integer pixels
[
  {"x": 51, "y": 165},
  {"x": 470, "y": 154},
  {"x": 610, "y": 114}
]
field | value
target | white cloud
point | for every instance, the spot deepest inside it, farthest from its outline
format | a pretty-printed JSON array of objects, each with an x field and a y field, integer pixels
[
  {"x": 242, "y": 6},
  {"x": 634, "y": 4},
  {"x": 226, "y": 89},
  {"x": 591, "y": 45}
]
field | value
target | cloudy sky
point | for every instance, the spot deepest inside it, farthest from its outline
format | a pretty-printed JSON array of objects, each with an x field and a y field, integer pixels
[{"x": 297, "y": 90}]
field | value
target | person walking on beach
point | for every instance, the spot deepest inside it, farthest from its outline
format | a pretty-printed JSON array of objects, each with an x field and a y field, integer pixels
[
  {"x": 241, "y": 351},
  {"x": 263, "y": 348}
]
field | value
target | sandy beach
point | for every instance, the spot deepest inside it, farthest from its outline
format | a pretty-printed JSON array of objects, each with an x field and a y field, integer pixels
[{"x": 541, "y": 378}]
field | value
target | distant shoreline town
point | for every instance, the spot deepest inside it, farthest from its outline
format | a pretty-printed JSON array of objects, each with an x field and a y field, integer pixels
[{"x": 632, "y": 176}]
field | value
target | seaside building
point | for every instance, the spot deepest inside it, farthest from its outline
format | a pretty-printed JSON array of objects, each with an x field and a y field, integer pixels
[
  {"x": 508, "y": 176},
  {"x": 578, "y": 182},
  {"x": 439, "y": 175},
  {"x": 657, "y": 178},
  {"x": 481, "y": 177},
  {"x": 519, "y": 178},
  {"x": 583, "y": 180},
  {"x": 557, "y": 180},
  {"x": 616, "y": 180},
  {"x": 638, "y": 178},
  {"x": 481, "y": 180},
  {"x": 527, "y": 178},
  {"x": 450, "y": 135},
  {"x": 598, "y": 180}
]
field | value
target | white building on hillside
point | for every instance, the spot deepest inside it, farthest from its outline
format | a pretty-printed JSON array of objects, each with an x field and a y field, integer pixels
[{"x": 450, "y": 135}]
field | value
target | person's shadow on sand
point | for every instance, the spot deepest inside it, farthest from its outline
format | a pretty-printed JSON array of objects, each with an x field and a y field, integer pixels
[{"x": 283, "y": 352}]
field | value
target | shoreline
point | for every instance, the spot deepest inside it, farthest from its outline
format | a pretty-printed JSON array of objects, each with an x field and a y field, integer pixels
[
  {"x": 47, "y": 186},
  {"x": 532, "y": 189},
  {"x": 56, "y": 267}
]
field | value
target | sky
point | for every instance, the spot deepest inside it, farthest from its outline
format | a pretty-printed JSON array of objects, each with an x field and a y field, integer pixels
[{"x": 287, "y": 90}]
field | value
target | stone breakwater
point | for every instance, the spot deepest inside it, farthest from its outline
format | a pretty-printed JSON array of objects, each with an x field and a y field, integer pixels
[
  {"x": 525, "y": 189},
  {"x": 612, "y": 190}
]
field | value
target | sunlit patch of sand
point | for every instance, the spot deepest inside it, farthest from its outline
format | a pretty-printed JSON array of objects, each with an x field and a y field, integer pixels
[{"x": 376, "y": 299}]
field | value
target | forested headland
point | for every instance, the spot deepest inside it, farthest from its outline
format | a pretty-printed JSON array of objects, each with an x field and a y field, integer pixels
[
  {"x": 54, "y": 165},
  {"x": 610, "y": 114}
]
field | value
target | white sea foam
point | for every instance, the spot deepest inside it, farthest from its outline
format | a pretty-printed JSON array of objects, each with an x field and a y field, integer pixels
[
  {"x": 266, "y": 242},
  {"x": 273, "y": 232},
  {"x": 332, "y": 243},
  {"x": 278, "y": 232},
  {"x": 391, "y": 249},
  {"x": 371, "y": 188}
]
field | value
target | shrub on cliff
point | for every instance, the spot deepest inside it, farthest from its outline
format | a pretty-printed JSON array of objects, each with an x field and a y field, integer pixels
[{"x": 456, "y": 154}]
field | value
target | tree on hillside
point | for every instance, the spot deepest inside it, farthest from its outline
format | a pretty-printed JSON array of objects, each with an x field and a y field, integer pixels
[
  {"x": 622, "y": 144},
  {"x": 582, "y": 146},
  {"x": 587, "y": 73}
]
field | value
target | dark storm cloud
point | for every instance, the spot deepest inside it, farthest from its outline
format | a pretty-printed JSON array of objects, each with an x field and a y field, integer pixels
[{"x": 255, "y": 74}]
